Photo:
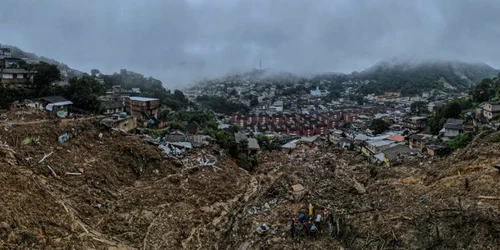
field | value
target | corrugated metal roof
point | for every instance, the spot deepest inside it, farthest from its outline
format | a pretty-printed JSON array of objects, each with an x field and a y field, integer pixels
[
  {"x": 14, "y": 71},
  {"x": 54, "y": 99},
  {"x": 143, "y": 99},
  {"x": 253, "y": 144}
]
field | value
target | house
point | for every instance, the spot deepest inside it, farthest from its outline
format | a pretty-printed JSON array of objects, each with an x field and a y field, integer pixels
[
  {"x": 491, "y": 110},
  {"x": 252, "y": 144},
  {"x": 392, "y": 155},
  {"x": 142, "y": 107},
  {"x": 5, "y": 52},
  {"x": 121, "y": 122},
  {"x": 318, "y": 92},
  {"x": 452, "y": 127},
  {"x": 15, "y": 77},
  {"x": 416, "y": 123},
  {"x": 437, "y": 150},
  {"x": 417, "y": 141},
  {"x": 113, "y": 107},
  {"x": 375, "y": 146},
  {"x": 57, "y": 105}
]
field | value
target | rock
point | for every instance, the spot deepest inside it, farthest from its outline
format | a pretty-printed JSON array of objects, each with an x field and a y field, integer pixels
[
  {"x": 244, "y": 246},
  {"x": 267, "y": 206},
  {"x": 297, "y": 187}
]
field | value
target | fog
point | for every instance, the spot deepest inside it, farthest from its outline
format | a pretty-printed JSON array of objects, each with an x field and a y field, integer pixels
[{"x": 179, "y": 41}]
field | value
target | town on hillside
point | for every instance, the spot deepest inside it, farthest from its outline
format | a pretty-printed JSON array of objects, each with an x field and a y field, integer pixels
[{"x": 382, "y": 126}]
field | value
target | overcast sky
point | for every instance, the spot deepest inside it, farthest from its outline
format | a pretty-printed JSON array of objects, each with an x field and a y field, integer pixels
[{"x": 178, "y": 41}]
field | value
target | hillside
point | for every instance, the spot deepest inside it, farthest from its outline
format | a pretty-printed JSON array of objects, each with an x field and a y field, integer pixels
[
  {"x": 411, "y": 77},
  {"x": 66, "y": 71}
]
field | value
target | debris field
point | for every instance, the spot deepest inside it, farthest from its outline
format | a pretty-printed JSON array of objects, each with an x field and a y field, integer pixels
[{"x": 95, "y": 188}]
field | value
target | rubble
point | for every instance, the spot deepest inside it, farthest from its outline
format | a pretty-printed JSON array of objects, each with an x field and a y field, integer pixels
[{"x": 121, "y": 191}]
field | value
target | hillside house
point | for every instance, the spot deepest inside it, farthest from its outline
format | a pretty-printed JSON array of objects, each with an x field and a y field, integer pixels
[
  {"x": 491, "y": 110},
  {"x": 417, "y": 142},
  {"x": 113, "y": 107},
  {"x": 251, "y": 143},
  {"x": 57, "y": 105},
  {"x": 452, "y": 128},
  {"x": 375, "y": 146},
  {"x": 437, "y": 150},
  {"x": 416, "y": 123},
  {"x": 393, "y": 154},
  {"x": 5, "y": 52},
  {"x": 121, "y": 122},
  {"x": 142, "y": 107}
]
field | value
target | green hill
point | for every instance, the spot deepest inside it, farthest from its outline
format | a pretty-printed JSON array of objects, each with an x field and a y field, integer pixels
[{"x": 414, "y": 77}]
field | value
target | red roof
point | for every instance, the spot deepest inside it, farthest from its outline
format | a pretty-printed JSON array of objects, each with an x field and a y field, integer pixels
[{"x": 396, "y": 138}]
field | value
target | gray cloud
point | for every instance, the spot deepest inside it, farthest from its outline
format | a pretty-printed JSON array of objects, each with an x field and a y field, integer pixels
[{"x": 179, "y": 41}]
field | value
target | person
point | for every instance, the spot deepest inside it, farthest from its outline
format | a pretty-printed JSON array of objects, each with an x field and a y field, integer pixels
[
  {"x": 292, "y": 228},
  {"x": 311, "y": 209},
  {"x": 313, "y": 231},
  {"x": 329, "y": 220},
  {"x": 318, "y": 221},
  {"x": 302, "y": 217}
]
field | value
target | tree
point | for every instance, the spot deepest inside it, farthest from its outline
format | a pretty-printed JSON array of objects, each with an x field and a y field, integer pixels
[
  {"x": 254, "y": 101},
  {"x": 481, "y": 92},
  {"x": 84, "y": 93},
  {"x": 452, "y": 110},
  {"x": 264, "y": 142},
  {"x": 418, "y": 108},
  {"x": 177, "y": 125},
  {"x": 45, "y": 75},
  {"x": 163, "y": 115},
  {"x": 360, "y": 100},
  {"x": 95, "y": 72},
  {"x": 378, "y": 126}
]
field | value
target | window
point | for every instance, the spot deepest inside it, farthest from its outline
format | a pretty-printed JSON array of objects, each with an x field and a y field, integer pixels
[{"x": 14, "y": 76}]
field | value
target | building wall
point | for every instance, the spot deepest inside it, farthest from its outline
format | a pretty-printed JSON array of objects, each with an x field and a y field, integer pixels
[
  {"x": 127, "y": 124},
  {"x": 7, "y": 76},
  {"x": 136, "y": 108},
  {"x": 451, "y": 132}
]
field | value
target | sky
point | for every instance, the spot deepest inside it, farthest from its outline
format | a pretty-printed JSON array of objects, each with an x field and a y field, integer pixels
[{"x": 181, "y": 41}]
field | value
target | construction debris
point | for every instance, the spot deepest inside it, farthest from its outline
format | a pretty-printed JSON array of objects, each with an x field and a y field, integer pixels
[{"x": 169, "y": 195}]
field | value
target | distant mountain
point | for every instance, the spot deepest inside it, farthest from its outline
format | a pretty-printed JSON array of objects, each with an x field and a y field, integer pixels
[
  {"x": 417, "y": 76},
  {"x": 66, "y": 71},
  {"x": 405, "y": 75}
]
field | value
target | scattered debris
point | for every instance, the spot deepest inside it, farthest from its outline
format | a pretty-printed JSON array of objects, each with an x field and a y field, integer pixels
[
  {"x": 52, "y": 171},
  {"x": 63, "y": 138},
  {"x": 262, "y": 229},
  {"x": 45, "y": 156}
]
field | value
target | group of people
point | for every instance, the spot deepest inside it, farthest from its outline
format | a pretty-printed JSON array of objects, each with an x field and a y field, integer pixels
[{"x": 310, "y": 224}]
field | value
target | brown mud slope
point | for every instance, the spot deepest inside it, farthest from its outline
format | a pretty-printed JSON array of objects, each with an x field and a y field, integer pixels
[
  {"x": 451, "y": 203},
  {"x": 113, "y": 191},
  {"x": 116, "y": 192}
]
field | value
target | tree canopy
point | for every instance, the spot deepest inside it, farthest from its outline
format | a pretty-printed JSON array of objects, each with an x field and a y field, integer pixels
[
  {"x": 84, "y": 92},
  {"x": 418, "y": 108},
  {"x": 220, "y": 104},
  {"x": 378, "y": 126}
]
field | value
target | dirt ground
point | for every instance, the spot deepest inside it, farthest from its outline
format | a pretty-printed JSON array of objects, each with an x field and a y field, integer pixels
[{"x": 103, "y": 189}]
